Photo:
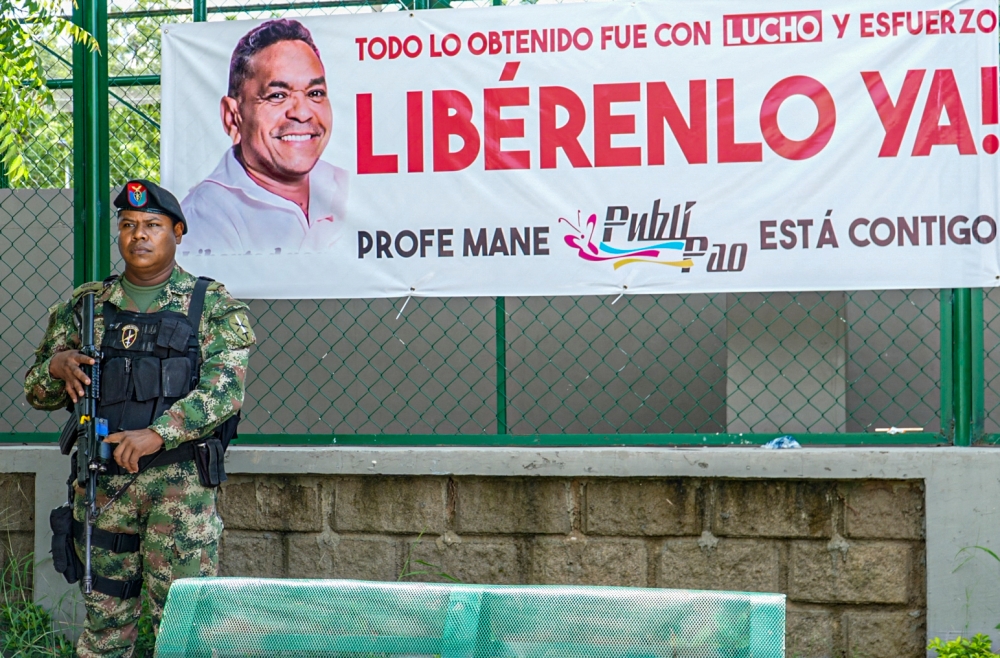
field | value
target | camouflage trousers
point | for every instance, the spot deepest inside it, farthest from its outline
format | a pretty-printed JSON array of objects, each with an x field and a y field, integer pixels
[{"x": 179, "y": 531}]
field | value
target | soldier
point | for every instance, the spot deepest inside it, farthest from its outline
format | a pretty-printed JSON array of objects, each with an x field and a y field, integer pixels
[{"x": 171, "y": 385}]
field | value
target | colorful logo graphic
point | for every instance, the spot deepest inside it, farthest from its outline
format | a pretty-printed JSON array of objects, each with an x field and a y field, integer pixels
[
  {"x": 137, "y": 194},
  {"x": 668, "y": 241}
]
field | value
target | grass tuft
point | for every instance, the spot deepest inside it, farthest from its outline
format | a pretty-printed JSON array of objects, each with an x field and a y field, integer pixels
[{"x": 26, "y": 629}]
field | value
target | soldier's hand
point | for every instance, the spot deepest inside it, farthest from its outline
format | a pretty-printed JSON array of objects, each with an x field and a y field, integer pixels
[
  {"x": 132, "y": 445},
  {"x": 65, "y": 365}
]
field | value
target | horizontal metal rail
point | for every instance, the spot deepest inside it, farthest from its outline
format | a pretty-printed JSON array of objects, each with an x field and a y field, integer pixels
[
  {"x": 117, "y": 81},
  {"x": 551, "y": 440}
]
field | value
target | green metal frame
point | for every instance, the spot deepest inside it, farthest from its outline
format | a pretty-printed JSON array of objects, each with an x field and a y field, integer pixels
[
  {"x": 501, "y": 350},
  {"x": 550, "y": 440},
  {"x": 91, "y": 191},
  {"x": 962, "y": 383}
]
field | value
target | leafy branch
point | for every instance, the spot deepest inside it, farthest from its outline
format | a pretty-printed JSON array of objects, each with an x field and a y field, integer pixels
[
  {"x": 977, "y": 647},
  {"x": 23, "y": 94}
]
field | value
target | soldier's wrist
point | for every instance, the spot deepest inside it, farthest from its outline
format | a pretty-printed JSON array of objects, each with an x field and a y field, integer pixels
[
  {"x": 53, "y": 382},
  {"x": 169, "y": 441}
]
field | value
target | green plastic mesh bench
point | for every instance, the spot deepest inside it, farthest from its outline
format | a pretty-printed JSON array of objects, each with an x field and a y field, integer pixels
[{"x": 215, "y": 617}]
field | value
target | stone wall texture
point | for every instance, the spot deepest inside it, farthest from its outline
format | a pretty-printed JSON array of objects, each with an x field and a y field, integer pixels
[
  {"x": 849, "y": 555},
  {"x": 17, "y": 532}
]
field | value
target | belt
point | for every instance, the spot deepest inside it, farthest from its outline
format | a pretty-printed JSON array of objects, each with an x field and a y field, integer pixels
[{"x": 183, "y": 453}]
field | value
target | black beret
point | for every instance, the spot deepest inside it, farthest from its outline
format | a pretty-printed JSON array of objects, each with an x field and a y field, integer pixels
[{"x": 140, "y": 194}]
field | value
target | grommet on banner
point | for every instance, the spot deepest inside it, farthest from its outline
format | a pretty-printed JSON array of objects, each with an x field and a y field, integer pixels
[
  {"x": 404, "y": 304},
  {"x": 620, "y": 295}
]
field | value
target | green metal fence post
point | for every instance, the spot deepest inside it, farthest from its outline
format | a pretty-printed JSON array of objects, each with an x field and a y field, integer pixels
[
  {"x": 4, "y": 179},
  {"x": 947, "y": 321},
  {"x": 963, "y": 367},
  {"x": 91, "y": 185},
  {"x": 501, "y": 349},
  {"x": 976, "y": 372},
  {"x": 200, "y": 11},
  {"x": 79, "y": 157}
]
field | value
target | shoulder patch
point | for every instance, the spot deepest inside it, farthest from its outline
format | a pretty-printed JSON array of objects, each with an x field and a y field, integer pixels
[{"x": 240, "y": 324}]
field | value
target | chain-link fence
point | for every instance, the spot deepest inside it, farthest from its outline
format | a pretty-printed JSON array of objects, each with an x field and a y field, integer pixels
[{"x": 685, "y": 366}]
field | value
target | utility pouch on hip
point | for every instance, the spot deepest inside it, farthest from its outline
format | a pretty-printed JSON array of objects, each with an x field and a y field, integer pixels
[
  {"x": 209, "y": 457},
  {"x": 64, "y": 557}
]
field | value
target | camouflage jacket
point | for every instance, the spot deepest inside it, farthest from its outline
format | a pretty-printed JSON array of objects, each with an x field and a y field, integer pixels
[{"x": 225, "y": 335}]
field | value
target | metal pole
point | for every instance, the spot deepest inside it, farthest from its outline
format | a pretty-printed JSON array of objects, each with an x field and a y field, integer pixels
[
  {"x": 963, "y": 367},
  {"x": 79, "y": 159},
  {"x": 102, "y": 171},
  {"x": 947, "y": 319},
  {"x": 501, "y": 349},
  {"x": 4, "y": 179},
  {"x": 91, "y": 138},
  {"x": 91, "y": 186},
  {"x": 200, "y": 11},
  {"x": 977, "y": 358}
]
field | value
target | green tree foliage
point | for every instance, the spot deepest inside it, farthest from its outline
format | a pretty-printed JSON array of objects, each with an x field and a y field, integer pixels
[
  {"x": 24, "y": 97},
  {"x": 133, "y": 113}
]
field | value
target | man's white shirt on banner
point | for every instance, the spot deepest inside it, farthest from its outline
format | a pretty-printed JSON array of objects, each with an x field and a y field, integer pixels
[{"x": 230, "y": 214}]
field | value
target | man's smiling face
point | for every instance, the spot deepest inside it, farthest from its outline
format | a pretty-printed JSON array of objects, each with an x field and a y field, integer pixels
[{"x": 284, "y": 112}]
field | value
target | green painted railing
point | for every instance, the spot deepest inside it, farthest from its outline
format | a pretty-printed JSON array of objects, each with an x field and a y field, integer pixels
[{"x": 496, "y": 372}]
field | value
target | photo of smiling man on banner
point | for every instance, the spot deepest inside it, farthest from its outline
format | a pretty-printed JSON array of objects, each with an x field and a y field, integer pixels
[{"x": 271, "y": 193}]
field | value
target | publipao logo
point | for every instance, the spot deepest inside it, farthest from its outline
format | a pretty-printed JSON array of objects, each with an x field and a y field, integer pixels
[{"x": 656, "y": 237}]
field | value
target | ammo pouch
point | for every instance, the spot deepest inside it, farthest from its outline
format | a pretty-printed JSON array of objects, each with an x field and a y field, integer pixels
[
  {"x": 64, "y": 557},
  {"x": 209, "y": 457}
]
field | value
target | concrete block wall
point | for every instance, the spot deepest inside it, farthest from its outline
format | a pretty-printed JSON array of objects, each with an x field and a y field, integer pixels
[{"x": 850, "y": 555}]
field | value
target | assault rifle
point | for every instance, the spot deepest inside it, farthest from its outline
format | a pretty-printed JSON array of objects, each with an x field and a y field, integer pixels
[{"x": 93, "y": 453}]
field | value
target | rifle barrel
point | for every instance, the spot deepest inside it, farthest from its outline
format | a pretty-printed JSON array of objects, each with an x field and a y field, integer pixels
[{"x": 89, "y": 450}]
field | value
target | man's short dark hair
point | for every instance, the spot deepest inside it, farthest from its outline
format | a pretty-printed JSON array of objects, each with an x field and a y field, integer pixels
[{"x": 256, "y": 40}]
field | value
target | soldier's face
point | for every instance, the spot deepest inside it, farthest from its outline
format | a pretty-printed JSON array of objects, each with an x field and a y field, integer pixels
[
  {"x": 147, "y": 241},
  {"x": 284, "y": 115}
]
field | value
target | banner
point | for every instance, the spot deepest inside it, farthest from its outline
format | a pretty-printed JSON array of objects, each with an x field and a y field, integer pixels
[{"x": 581, "y": 149}]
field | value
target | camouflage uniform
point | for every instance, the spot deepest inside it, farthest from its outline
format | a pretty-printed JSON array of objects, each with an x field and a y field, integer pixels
[{"x": 173, "y": 514}]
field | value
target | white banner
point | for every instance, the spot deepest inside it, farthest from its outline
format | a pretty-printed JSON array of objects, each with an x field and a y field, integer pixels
[{"x": 632, "y": 147}]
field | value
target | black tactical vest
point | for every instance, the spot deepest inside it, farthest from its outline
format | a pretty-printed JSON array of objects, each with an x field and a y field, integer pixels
[{"x": 149, "y": 361}]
